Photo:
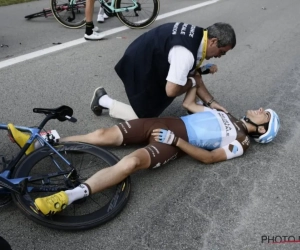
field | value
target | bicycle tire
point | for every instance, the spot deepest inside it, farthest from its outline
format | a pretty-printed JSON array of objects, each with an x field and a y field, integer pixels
[
  {"x": 65, "y": 14},
  {"x": 39, "y": 14},
  {"x": 142, "y": 16},
  {"x": 75, "y": 216}
]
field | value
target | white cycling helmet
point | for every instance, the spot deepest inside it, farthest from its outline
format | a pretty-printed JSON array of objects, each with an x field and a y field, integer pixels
[{"x": 274, "y": 125}]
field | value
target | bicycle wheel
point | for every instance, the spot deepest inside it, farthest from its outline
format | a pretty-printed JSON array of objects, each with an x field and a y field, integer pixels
[
  {"x": 42, "y": 166},
  {"x": 140, "y": 17},
  {"x": 44, "y": 13},
  {"x": 69, "y": 15}
]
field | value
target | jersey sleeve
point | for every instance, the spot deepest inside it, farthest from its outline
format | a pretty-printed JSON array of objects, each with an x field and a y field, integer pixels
[
  {"x": 234, "y": 149},
  {"x": 181, "y": 62}
]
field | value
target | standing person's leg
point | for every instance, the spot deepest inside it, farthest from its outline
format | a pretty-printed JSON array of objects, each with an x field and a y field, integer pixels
[
  {"x": 90, "y": 32},
  {"x": 122, "y": 111},
  {"x": 119, "y": 110},
  {"x": 101, "y": 15}
]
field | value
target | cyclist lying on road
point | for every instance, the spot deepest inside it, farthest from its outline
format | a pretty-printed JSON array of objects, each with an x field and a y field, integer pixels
[{"x": 207, "y": 135}]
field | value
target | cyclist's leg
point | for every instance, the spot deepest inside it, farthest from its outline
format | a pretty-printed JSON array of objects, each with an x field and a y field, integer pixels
[
  {"x": 130, "y": 132},
  {"x": 161, "y": 154},
  {"x": 139, "y": 130},
  {"x": 100, "y": 137},
  {"x": 153, "y": 155},
  {"x": 135, "y": 131},
  {"x": 105, "y": 178},
  {"x": 45, "y": 164}
]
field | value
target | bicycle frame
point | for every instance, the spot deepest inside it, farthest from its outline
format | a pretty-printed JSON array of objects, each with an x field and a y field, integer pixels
[{"x": 18, "y": 185}]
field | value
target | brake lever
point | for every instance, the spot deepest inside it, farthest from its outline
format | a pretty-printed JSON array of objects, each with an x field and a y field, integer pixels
[{"x": 71, "y": 119}]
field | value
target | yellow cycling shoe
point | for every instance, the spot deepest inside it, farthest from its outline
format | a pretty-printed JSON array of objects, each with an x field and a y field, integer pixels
[
  {"x": 52, "y": 204},
  {"x": 20, "y": 138}
]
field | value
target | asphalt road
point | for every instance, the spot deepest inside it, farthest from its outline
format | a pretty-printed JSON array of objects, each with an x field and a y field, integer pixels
[{"x": 186, "y": 204}]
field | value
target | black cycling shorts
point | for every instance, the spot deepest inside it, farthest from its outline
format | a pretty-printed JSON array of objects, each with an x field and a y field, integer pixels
[{"x": 139, "y": 131}]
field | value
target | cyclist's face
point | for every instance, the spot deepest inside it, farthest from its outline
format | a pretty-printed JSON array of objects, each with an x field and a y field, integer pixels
[
  {"x": 259, "y": 116},
  {"x": 214, "y": 51}
]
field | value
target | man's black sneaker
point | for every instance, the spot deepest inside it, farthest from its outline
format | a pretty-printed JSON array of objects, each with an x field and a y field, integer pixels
[{"x": 95, "y": 107}]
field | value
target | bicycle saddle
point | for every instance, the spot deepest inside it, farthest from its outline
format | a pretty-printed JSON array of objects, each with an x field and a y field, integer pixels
[{"x": 61, "y": 113}]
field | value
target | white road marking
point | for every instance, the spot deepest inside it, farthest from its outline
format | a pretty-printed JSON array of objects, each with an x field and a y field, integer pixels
[{"x": 42, "y": 52}]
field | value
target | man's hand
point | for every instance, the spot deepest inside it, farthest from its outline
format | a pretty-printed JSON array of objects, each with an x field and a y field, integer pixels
[
  {"x": 165, "y": 136},
  {"x": 216, "y": 105},
  {"x": 209, "y": 69},
  {"x": 213, "y": 69}
]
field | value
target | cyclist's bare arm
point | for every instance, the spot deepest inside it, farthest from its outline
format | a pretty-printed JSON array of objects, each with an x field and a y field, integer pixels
[
  {"x": 205, "y": 96},
  {"x": 200, "y": 154},
  {"x": 189, "y": 101},
  {"x": 202, "y": 91}
]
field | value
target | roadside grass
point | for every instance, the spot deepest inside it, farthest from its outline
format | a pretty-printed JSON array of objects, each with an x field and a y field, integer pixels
[{"x": 9, "y": 2}]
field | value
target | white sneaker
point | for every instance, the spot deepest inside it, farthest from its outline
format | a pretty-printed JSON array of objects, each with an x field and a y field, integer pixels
[
  {"x": 100, "y": 18},
  {"x": 105, "y": 16},
  {"x": 96, "y": 29},
  {"x": 94, "y": 36}
]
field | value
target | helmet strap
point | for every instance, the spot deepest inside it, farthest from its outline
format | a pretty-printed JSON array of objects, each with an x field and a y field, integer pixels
[{"x": 255, "y": 134}]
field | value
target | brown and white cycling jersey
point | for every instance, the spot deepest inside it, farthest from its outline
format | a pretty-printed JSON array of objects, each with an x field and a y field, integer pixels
[
  {"x": 241, "y": 143},
  {"x": 212, "y": 129}
]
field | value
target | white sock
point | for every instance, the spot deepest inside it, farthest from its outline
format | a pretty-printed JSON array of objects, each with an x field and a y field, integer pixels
[
  {"x": 101, "y": 11},
  {"x": 77, "y": 193},
  {"x": 105, "y": 101}
]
